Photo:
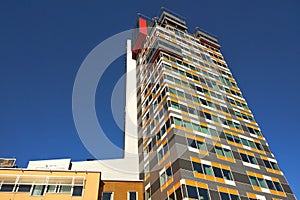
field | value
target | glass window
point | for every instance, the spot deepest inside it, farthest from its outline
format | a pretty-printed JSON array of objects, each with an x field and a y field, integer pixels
[
  {"x": 204, "y": 129},
  {"x": 274, "y": 165},
  {"x": 227, "y": 174},
  {"x": 38, "y": 190},
  {"x": 24, "y": 188},
  {"x": 171, "y": 197},
  {"x": 107, "y": 196},
  {"x": 217, "y": 172},
  {"x": 203, "y": 194},
  {"x": 196, "y": 127},
  {"x": 224, "y": 196},
  {"x": 160, "y": 154},
  {"x": 169, "y": 173},
  {"x": 77, "y": 191},
  {"x": 65, "y": 189},
  {"x": 253, "y": 181},
  {"x": 208, "y": 170},
  {"x": 244, "y": 142},
  {"x": 51, "y": 189},
  {"x": 191, "y": 143},
  {"x": 197, "y": 167},
  {"x": 219, "y": 151},
  {"x": 267, "y": 164},
  {"x": 244, "y": 157},
  {"x": 192, "y": 192},
  {"x": 213, "y": 132},
  {"x": 278, "y": 186},
  {"x": 234, "y": 197},
  {"x": 251, "y": 144},
  {"x": 7, "y": 188},
  {"x": 262, "y": 183},
  {"x": 228, "y": 153},
  {"x": 162, "y": 179},
  {"x": 132, "y": 196},
  {"x": 252, "y": 160},
  {"x": 258, "y": 146},
  {"x": 270, "y": 185},
  {"x": 201, "y": 146},
  {"x": 177, "y": 121}
]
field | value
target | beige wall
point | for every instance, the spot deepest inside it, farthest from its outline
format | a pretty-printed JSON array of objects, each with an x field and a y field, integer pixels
[{"x": 90, "y": 191}]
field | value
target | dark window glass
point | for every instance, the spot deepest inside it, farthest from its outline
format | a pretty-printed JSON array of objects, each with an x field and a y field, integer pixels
[
  {"x": 224, "y": 196},
  {"x": 7, "y": 188},
  {"x": 270, "y": 185},
  {"x": 217, "y": 172},
  {"x": 77, "y": 191},
  {"x": 192, "y": 192},
  {"x": 197, "y": 167},
  {"x": 106, "y": 195},
  {"x": 274, "y": 165},
  {"x": 229, "y": 137},
  {"x": 258, "y": 146},
  {"x": 252, "y": 160},
  {"x": 178, "y": 194},
  {"x": 267, "y": 164},
  {"x": 244, "y": 157},
  {"x": 132, "y": 195},
  {"x": 203, "y": 194},
  {"x": 172, "y": 197},
  {"x": 278, "y": 186},
  {"x": 192, "y": 143},
  {"x": 234, "y": 197},
  {"x": 24, "y": 188},
  {"x": 227, "y": 174}
]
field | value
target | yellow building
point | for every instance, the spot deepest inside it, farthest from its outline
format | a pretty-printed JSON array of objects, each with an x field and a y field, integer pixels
[
  {"x": 24, "y": 184},
  {"x": 49, "y": 184}
]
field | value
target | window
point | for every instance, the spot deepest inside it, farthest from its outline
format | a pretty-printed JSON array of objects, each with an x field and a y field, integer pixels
[
  {"x": 212, "y": 171},
  {"x": 165, "y": 176},
  {"x": 148, "y": 194},
  {"x": 268, "y": 184},
  {"x": 24, "y": 188},
  {"x": 162, "y": 152},
  {"x": 197, "y": 167},
  {"x": 248, "y": 158},
  {"x": 208, "y": 170},
  {"x": 51, "y": 189},
  {"x": 132, "y": 196},
  {"x": 196, "y": 144},
  {"x": 65, "y": 189},
  {"x": 38, "y": 190},
  {"x": 203, "y": 194},
  {"x": 7, "y": 187},
  {"x": 249, "y": 143},
  {"x": 271, "y": 165},
  {"x": 77, "y": 191},
  {"x": 223, "y": 152},
  {"x": 253, "y": 181},
  {"x": 192, "y": 192},
  {"x": 227, "y": 196},
  {"x": 107, "y": 196}
]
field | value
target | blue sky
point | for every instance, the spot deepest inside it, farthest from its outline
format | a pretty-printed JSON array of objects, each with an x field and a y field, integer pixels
[{"x": 43, "y": 43}]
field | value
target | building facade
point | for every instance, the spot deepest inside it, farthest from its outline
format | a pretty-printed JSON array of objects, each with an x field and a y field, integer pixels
[
  {"x": 198, "y": 138},
  {"x": 56, "y": 180}
]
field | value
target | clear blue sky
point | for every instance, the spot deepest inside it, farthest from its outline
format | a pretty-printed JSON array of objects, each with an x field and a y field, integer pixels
[{"x": 42, "y": 44}]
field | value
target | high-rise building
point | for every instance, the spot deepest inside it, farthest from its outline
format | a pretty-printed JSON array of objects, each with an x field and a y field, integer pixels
[{"x": 198, "y": 138}]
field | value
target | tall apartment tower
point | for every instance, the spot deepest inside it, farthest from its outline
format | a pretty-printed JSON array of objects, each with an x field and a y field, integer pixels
[{"x": 197, "y": 137}]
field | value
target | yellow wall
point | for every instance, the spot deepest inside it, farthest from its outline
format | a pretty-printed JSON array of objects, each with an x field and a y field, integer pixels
[{"x": 90, "y": 191}]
